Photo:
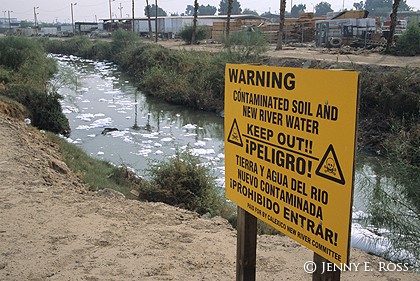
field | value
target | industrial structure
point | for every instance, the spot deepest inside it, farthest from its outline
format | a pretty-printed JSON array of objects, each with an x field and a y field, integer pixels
[{"x": 333, "y": 30}]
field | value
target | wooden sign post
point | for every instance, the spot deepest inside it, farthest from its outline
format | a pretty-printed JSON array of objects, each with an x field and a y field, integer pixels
[
  {"x": 246, "y": 247},
  {"x": 320, "y": 274}
]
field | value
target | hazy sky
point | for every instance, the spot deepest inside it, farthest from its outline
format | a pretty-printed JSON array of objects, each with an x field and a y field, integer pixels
[{"x": 86, "y": 10}]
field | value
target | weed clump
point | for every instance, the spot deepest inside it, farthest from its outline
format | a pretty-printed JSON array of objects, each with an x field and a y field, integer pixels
[
  {"x": 408, "y": 43},
  {"x": 202, "y": 33},
  {"x": 183, "y": 181}
]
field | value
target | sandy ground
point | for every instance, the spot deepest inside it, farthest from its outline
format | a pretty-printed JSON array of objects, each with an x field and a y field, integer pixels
[
  {"x": 52, "y": 228},
  {"x": 332, "y": 55}
]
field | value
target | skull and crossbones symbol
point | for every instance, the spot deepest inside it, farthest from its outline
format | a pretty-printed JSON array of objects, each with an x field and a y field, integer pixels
[
  {"x": 235, "y": 135},
  {"x": 330, "y": 166}
]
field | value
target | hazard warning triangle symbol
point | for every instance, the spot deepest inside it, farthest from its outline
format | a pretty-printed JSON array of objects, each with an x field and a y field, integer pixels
[
  {"x": 234, "y": 134},
  {"x": 329, "y": 167}
]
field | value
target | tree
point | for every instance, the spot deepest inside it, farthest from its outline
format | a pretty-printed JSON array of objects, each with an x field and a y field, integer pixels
[
  {"x": 189, "y": 11},
  {"x": 148, "y": 19},
  {"x": 202, "y": 10},
  {"x": 322, "y": 8},
  {"x": 247, "y": 11},
  {"x": 152, "y": 9},
  {"x": 390, "y": 38},
  {"x": 359, "y": 6},
  {"x": 281, "y": 25},
  {"x": 194, "y": 30},
  {"x": 207, "y": 10},
  {"x": 384, "y": 7},
  {"x": 223, "y": 7},
  {"x": 26, "y": 24},
  {"x": 297, "y": 10},
  {"x": 229, "y": 13}
]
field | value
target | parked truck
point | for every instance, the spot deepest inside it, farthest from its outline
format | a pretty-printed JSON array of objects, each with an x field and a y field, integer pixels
[
  {"x": 338, "y": 32},
  {"x": 48, "y": 31},
  {"x": 400, "y": 27}
]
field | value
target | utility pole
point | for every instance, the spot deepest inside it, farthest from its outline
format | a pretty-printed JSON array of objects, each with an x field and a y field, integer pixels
[
  {"x": 72, "y": 17},
  {"x": 35, "y": 21},
  {"x": 120, "y": 8},
  {"x": 10, "y": 25},
  {"x": 132, "y": 15},
  {"x": 156, "y": 23},
  {"x": 110, "y": 10},
  {"x": 110, "y": 13}
]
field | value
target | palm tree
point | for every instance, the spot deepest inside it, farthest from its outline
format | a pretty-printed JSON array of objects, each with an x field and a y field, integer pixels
[
  {"x": 148, "y": 19},
  {"x": 194, "y": 29},
  {"x": 229, "y": 13},
  {"x": 390, "y": 38},
  {"x": 281, "y": 25}
]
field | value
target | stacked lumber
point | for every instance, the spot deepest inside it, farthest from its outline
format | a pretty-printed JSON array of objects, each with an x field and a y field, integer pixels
[
  {"x": 300, "y": 29},
  {"x": 219, "y": 29}
]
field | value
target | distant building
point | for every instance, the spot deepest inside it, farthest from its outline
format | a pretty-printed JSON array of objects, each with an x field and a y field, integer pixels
[
  {"x": 169, "y": 26},
  {"x": 4, "y": 24}
]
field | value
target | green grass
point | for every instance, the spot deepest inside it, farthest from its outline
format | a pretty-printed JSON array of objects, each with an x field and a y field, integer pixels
[{"x": 97, "y": 174}]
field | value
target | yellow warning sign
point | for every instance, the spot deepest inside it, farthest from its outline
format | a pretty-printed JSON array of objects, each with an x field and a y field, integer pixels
[{"x": 289, "y": 151}]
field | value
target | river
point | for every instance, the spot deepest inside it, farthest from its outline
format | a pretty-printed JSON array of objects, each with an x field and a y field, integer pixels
[{"x": 97, "y": 95}]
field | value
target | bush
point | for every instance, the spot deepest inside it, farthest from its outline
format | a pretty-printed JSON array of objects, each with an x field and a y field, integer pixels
[
  {"x": 100, "y": 51},
  {"x": 24, "y": 74},
  {"x": 185, "y": 182},
  {"x": 395, "y": 93},
  {"x": 45, "y": 108},
  {"x": 408, "y": 43},
  {"x": 77, "y": 46},
  {"x": 202, "y": 33},
  {"x": 247, "y": 45},
  {"x": 27, "y": 58},
  {"x": 121, "y": 39}
]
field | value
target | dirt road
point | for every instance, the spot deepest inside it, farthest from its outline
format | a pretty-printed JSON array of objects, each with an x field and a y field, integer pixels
[
  {"x": 52, "y": 228},
  {"x": 332, "y": 55}
]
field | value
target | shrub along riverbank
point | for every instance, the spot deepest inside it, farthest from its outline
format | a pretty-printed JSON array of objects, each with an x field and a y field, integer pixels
[{"x": 25, "y": 71}]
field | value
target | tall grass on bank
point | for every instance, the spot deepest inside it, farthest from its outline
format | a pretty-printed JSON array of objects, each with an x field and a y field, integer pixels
[{"x": 97, "y": 174}]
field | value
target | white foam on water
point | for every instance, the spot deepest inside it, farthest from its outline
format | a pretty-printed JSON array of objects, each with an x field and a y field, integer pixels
[
  {"x": 167, "y": 139},
  {"x": 200, "y": 143},
  {"x": 189, "y": 126},
  {"x": 190, "y": 135}
]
